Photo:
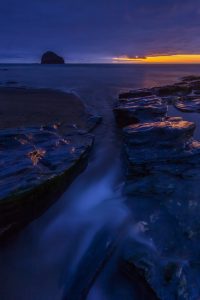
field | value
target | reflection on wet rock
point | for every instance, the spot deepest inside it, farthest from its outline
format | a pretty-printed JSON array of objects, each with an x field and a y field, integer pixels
[
  {"x": 139, "y": 109},
  {"x": 188, "y": 104},
  {"x": 175, "y": 89},
  {"x": 37, "y": 163}
]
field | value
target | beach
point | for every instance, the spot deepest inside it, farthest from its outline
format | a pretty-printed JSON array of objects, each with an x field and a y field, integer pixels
[{"x": 20, "y": 107}]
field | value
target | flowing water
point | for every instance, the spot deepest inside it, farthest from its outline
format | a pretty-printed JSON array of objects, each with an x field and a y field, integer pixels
[{"x": 42, "y": 262}]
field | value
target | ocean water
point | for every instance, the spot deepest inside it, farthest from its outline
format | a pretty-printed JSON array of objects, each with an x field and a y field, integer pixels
[
  {"x": 45, "y": 259},
  {"x": 110, "y": 77}
]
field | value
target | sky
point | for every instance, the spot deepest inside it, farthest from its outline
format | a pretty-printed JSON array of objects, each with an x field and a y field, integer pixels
[{"x": 98, "y": 30}]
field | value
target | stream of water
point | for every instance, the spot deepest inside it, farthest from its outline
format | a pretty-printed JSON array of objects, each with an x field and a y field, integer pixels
[{"x": 41, "y": 262}]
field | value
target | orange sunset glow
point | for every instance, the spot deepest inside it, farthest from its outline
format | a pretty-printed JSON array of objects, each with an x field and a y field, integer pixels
[{"x": 162, "y": 59}]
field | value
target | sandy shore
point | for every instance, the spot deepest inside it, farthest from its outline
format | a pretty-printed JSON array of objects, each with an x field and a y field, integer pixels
[{"x": 27, "y": 107}]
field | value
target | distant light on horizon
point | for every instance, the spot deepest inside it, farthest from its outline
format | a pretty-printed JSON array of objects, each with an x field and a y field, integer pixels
[{"x": 160, "y": 59}]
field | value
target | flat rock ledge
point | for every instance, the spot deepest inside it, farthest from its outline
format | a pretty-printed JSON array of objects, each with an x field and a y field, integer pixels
[
  {"x": 37, "y": 164},
  {"x": 188, "y": 104},
  {"x": 162, "y": 191},
  {"x": 135, "y": 110}
]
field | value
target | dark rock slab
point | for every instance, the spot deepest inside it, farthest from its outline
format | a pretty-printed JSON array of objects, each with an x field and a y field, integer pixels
[
  {"x": 139, "y": 109},
  {"x": 175, "y": 89},
  {"x": 190, "y": 78},
  {"x": 170, "y": 100},
  {"x": 195, "y": 85},
  {"x": 166, "y": 251},
  {"x": 196, "y": 92},
  {"x": 188, "y": 104},
  {"x": 162, "y": 191},
  {"x": 170, "y": 277},
  {"x": 93, "y": 122},
  {"x": 37, "y": 164},
  {"x": 50, "y": 57},
  {"x": 158, "y": 140},
  {"x": 155, "y": 152},
  {"x": 136, "y": 94}
]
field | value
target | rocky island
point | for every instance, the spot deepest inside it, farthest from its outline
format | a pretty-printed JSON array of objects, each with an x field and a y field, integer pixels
[{"x": 50, "y": 57}]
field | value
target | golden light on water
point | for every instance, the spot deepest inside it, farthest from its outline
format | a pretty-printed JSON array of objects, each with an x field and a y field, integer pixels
[{"x": 162, "y": 59}]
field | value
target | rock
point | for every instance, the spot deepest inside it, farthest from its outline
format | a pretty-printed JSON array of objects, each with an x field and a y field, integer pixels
[
  {"x": 167, "y": 254},
  {"x": 93, "y": 122},
  {"x": 136, "y": 275},
  {"x": 190, "y": 78},
  {"x": 136, "y": 94},
  {"x": 169, "y": 133},
  {"x": 162, "y": 191},
  {"x": 139, "y": 109},
  {"x": 154, "y": 151},
  {"x": 188, "y": 104},
  {"x": 195, "y": 85},
  {"x": 175, "y": 89},
  {"x": 168, "y": 278},
  {"x": 170, "y": 100},
  {"x": 37, "y": 164},
  {"x": 50, "y": 57},
  {"x": 196, "y": 92}
]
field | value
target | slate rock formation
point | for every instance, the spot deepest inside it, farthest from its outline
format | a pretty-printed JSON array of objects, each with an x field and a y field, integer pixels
[
  {"x": 188, "y": 104},
  {"x": 162, "y": 190},
  {"x": 135, "y": 110},
  {"x": 37, "y": 164},
  {"x": 50, "y": 57}
]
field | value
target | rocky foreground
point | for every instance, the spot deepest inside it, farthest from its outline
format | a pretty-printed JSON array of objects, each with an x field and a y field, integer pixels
[
  {"x": 39, "y": 162},
  {"x": 162, "y": 188}
]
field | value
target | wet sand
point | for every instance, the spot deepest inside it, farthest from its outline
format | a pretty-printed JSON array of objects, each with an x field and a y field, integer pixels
[{"x": 21, "y": 107}]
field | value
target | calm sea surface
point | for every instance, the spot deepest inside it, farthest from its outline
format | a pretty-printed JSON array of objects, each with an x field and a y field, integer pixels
[{"x": 108, "y": 77}]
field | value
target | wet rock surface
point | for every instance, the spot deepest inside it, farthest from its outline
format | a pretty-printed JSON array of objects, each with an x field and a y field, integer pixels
[
  {"x": 37, "y": 164},
  {"x": 136, "y": 94},
  {"x": 139, "y": 109},
  {"x": 146, "y": 142},
  {"x": 188, "y": 104},
  {"x": 176, "y": 89},
  {"x": 161, "y": 189}
]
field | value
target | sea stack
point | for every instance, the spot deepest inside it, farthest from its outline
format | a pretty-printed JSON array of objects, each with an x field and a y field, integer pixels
[{"x": 50, "y": 57}]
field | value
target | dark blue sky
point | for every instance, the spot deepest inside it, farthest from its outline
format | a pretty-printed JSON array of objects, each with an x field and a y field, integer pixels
[{"x": 88, "y": 30}]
